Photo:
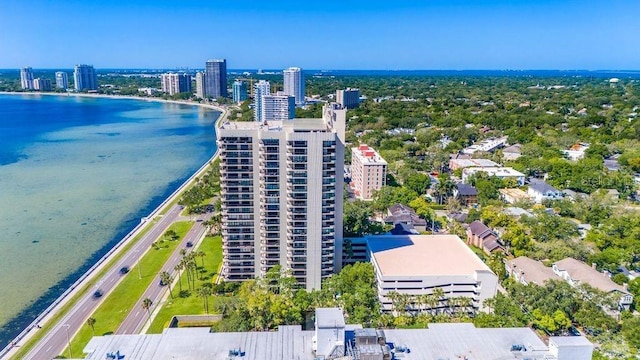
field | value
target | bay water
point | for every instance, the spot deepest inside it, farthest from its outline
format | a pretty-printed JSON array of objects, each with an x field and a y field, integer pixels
[{"x": 76, "y": 175}]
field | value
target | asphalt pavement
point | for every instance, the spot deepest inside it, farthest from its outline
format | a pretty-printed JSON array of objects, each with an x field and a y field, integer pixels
[
  {"x": 55, "y": 342},
  {"x": 135, "y": 321}
]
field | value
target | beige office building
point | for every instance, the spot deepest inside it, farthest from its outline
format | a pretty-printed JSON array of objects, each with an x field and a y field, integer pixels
[{"x": 368, "y": 172}]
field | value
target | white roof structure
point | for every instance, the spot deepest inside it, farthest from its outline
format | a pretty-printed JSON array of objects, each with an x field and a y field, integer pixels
[{"x": 423, "y": 255}]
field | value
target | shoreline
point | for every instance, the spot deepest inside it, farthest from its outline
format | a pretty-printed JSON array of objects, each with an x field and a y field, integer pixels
[
  {"x": 89, "y": 275},
  {"x": 218, "y": 108}
]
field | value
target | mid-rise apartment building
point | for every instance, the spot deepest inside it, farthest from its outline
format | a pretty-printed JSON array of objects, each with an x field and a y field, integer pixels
[
  {"x": 26, "y": 78},
  {"x": 349, "y": 98},
  {"x": 173, "y": 83},
  {"x": 368, "y": 171},
  {"x": 85, "y": 78},
  {"x": 282, "y": 191},
  {"x": 62, "y": 80},
  {"x": 278, "y": 106}
]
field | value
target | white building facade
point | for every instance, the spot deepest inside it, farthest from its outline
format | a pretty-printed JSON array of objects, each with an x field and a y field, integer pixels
[
  {"x": 417, "y": 265},
  {"x": 260, "y": 89},
  {"x": 26, "y": 78},
  {"x": 277, "y": 107},
  {"x": 200, "y": 85},
  {"x": 368, "y": 171},
  {"x": 173, "y": 83},
  {"x": 282, "y": 192},
  {"x": 294, "y": 84},
  {"x": 62, "y": 80}
]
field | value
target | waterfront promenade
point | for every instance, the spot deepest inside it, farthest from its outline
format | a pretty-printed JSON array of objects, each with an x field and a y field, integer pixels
[{"x": 59, "y": 334}]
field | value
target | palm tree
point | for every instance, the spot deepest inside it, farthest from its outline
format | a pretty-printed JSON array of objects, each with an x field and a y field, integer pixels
[
  {"x": 201, "y": 254},
  {"x": 166, "y": 278},
  {"x": 178, "y": 268},
  {"x": 91, "y": 322},
  {"x": 444, "y": 188},
  {"x": 438, "y": 294},
  {"x": 205, "y": 292},
  {"x": 146, "y": 304}
]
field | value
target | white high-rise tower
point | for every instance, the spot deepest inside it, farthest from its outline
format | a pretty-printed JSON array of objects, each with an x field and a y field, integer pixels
[{"x": 294, "y": 84}]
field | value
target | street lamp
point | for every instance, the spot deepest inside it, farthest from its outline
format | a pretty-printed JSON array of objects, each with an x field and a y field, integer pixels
[{"x": 67, "y": 326}]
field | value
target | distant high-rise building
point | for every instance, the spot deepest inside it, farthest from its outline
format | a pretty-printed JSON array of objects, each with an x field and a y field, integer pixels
[
  {"x": 260, "y": 89},
  {"x": 368, "y": 172},
  {"x": 279, "y": 106},
  {"x": 85, "y": 78},
  {"x": 173, "y": 83},
  {"x": 26, "y": 78},
  {"x": 216, "y": 78},
  {"x": 282, "y": 195},
  {"x": 62, "y": 80},
  {"x": 349, "y": 98},
  {"x": 200, "y": 85},
  {"x": 42, "y": 84},
  {"x": 239, "y": 91},
  {"x": 294, "y": 84}
]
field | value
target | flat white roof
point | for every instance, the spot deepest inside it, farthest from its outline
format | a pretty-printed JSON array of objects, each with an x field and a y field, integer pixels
[
  {"x": 423, "y": 255},
  {"x": 494, "y": 171},
  {"x": 376, "y": 159}
]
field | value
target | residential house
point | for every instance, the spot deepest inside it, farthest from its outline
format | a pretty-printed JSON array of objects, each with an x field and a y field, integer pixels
[
  {"x": 540, "y": 191},
  {"x": 402, "y": 214},
  {"x": 514, "y": 195},
  {"x": 528, "y": 271},
  {"x": 576, "y": 151},
  {"x": 481, "y": 236},
  {"x": 512, "y": 152},
  {"x": 499, "y": 172},
  {"x": 466, "y": 194},
  {"x": 461, "y": 163},
  {"x": 576, "y": 272}
]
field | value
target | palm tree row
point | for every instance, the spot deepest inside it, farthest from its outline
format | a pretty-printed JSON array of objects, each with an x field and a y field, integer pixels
[
  {"x": 188, "y": 263},
  {"x": 432, "y": 303}
]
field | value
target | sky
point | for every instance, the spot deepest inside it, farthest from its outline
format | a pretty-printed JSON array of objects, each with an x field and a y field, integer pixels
[{"x": 322, "y": 35}]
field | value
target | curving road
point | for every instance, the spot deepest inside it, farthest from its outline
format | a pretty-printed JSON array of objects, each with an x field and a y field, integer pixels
[
  {"x": 135, "y": 321},
  {"x": 54, "y": 342}
]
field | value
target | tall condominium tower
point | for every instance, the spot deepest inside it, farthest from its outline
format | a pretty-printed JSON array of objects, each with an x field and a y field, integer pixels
[
  {"x": 84, "y": 77},
  {"x": 215, "y": 83},
  {"x": 282, "y": 189},
  {"x": 349, "y": 98},
  {"x": 26, "y": 78},
  {"x": 62, "y": 80},
  {"x": 200, "y": 87},
  {"x": 239, "y": 91},
  {"x": 260, "y": 89},
  {"x": 278, "y": 106},
  {"x": 294, "y": 84},
  {"x": 173, "y": 83},
  {"x": 42, "y": 84}
]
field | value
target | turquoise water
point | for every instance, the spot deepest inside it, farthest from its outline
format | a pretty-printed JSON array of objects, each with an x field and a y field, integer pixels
[{"x": 76, "y": 174}]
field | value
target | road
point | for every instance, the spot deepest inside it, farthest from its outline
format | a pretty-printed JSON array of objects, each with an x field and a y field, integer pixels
[
  {"x": 54, "y": 342},
  {"x": 135, "y": 321}
]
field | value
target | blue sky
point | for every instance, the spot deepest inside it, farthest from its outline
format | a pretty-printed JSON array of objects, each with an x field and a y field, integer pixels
[{"x": 338, "y": 34}]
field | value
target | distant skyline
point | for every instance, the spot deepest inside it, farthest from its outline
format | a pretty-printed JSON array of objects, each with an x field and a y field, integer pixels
[{"x": 383, "y": 35}]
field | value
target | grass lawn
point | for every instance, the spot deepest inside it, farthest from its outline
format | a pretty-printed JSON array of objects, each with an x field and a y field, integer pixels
[
  {"x": 121, "y": 300},
  {"x": 191, "y": 304},
  {"x": 24, "y": 349}
]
